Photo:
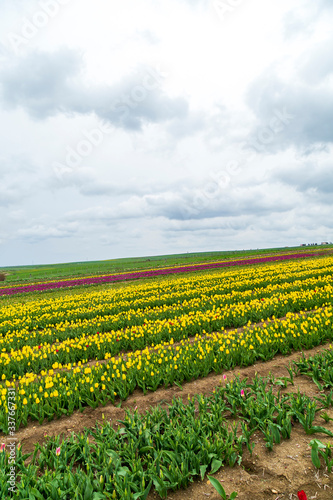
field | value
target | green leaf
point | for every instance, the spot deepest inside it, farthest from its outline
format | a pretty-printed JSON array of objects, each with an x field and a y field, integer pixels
[
  {"x": 143, "y": 495},
  {"x": 275, "y": 433},
  {"x": 314, "y": 442},
  {"x": 218, "y": 486},
  {"x": 318, "y": 428},
  {"x": 144, "y": 449},
  {"x": 233, "y": 495},
  {"x": 318, "y": 384},
  {"x": 159, "y": 486},
  {"x": 88, "y": 492},
  {"x": 113, "y": 454},
  {"x": 123, "y": 471},
  {"x": 36, "y": 493},
  {"x": 178, "y": 385},
  {"x": 216, "y": 464},
  {"x": 314, "y": 456},
  {"x": 203, "y": 469},
  {"x": 174, "y": 457},
  {"x": 280, "y": 382},
  {"x": 54, "y": 493},
  {"x": 98, "y": 496}
]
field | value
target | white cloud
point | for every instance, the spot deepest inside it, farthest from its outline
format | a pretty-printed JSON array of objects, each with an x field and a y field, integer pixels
[{"x": 145, "y": 127}]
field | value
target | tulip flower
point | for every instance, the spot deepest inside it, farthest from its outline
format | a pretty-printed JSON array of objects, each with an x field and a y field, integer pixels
[
  {"x": 301, "y": 495},
  {"x": 58, "y": 451},
  {"x": 146, "y": 274}
]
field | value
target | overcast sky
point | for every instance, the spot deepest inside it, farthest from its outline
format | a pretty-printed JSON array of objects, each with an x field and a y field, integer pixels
[{"x": 140, "y": 127}]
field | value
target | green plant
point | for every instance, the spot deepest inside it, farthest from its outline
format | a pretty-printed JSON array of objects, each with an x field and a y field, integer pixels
[
  {"x": 219, "y": 488},
  {"x": 326, "y": 417},
  {"x": 318, "y": 448}
]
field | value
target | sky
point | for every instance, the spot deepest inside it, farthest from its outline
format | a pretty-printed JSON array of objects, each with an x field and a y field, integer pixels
[{"x": 141, "y": 128}]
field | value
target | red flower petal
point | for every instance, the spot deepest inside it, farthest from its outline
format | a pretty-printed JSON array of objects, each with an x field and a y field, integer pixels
[{"x": 301, "y": 495}]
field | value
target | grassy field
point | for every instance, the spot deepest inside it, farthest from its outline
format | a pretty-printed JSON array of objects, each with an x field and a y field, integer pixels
[{"x": 24, "y": 274}]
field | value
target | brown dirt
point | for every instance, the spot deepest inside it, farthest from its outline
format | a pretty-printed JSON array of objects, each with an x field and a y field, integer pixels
[{"x": 264, "y": 476}]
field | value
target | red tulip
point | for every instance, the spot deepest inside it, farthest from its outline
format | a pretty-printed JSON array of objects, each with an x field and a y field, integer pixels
[{"x": 301, "y": 495}]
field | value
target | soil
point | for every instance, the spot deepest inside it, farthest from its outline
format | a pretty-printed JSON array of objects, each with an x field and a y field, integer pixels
[{"x": 265, "y": 475}]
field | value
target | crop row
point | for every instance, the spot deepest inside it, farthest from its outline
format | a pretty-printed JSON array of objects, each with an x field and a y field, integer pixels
[
  {"x": 225, "y": 310},
  {"x": 148, "y": 274},
  {"x": 164, "y": 448},
  {"x": 52, "y": 394},
  {"x": 142, "y": 329},
  {"x": 45, "y": 312},
  {"x": 206, "y": 295}
]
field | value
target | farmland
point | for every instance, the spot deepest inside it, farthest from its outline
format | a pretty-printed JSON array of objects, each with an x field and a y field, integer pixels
[{"x": 103, "y": 355}]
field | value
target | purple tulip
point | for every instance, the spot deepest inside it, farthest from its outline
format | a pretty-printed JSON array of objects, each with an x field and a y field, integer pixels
[{"x": 39, "y": 287}]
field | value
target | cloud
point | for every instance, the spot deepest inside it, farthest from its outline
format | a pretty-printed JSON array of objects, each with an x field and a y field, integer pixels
[
  {"x": 323, "y": 4},
  {"x": 46, "y": 84},
  {"x": 302, "y": 20},
  {"x": 316, "y": 65},
  {"x": 177, "y": 174},
  {"x": 298, "y": 84},
  {"x": 41, "y": 232},
  {"x": 19, "y": 180},
  {"x": 147, "y": 36},
  {"x": 8, "y": 196},
  {"x": 187, "y": 125},
  {"x": 311, "y": 177},
  {"x": 42, "y": 84},
  {"x": 191, "y": 203},
  {"x": 305, "y": 113}
]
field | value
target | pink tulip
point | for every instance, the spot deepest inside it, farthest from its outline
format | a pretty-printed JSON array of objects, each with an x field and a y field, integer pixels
[{"x": 147, "y": 274}]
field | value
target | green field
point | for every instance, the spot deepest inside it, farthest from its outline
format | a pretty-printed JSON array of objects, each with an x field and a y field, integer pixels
[{"x": 23, "y": 274}]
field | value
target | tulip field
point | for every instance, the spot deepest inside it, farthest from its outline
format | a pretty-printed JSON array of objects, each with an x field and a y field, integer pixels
[{"x": 68, "y": 347}]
